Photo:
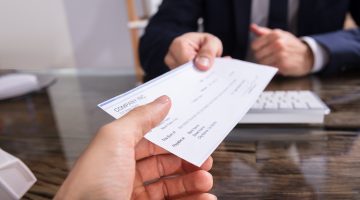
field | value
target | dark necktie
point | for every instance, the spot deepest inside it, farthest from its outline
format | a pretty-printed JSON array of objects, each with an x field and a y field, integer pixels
[{"x": 278, "y": 14}]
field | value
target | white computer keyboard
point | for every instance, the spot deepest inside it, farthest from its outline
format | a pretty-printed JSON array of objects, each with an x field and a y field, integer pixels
[{"x": 282, "y": 107}]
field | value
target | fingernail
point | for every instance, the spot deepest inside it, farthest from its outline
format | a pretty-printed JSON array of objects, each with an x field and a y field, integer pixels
[
  {"x": 213, "y": 197},
  {"x": 163, "y": 99},
  {"x": 204, "y": 61}
]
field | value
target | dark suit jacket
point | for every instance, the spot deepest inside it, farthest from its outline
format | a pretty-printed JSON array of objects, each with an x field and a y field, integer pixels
[{"x": 229, "y": 20}]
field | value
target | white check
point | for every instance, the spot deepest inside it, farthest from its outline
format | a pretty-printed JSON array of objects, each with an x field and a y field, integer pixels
[{"x": 206, "y": 106}]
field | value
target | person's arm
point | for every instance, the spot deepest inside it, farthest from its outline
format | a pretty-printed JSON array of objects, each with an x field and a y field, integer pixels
[
  {"x": 343, "y": 47},
  {"x": 173, "y": 19}
]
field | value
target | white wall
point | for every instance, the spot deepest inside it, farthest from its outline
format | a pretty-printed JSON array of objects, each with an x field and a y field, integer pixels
[
  {"x": 99, "y": 33},
  {"x": 33, "y": 33},
  {"x": 64, "y": 33}
]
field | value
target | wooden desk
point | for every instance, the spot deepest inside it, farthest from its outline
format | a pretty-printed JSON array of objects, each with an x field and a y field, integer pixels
[{"x": 48, "y": 130}]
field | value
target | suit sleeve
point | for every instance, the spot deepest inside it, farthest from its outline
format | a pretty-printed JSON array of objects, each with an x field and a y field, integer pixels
[
  {"x": 174, "y": 18},
  {"x": 343, "y": 46}
]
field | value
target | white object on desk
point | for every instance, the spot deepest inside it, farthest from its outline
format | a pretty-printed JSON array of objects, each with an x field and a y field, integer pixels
[
  {"x": 15, "y": 177},
  {"x": 18, "y": 84},
  {"x": 287, "y": 107}
]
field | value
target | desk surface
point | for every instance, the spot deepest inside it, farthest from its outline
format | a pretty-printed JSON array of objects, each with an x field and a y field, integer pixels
[{"x": 48, "y": 130}]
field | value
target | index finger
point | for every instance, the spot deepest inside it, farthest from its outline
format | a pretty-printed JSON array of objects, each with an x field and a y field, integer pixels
[{"x": 265, "y": 40}]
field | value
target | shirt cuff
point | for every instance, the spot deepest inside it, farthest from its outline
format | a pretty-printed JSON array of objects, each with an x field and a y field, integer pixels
[{"x": 321, "y": 56}]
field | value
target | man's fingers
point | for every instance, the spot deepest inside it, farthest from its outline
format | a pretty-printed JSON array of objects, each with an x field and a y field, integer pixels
[
  {"x": 182, "y": 49},
  {"x": 259, "y": 43},
  {"x": 179, "y": 186},
  {"x": 264, "y": 35},
  {"x": 145, "y": 148},
  {"x": 204, "y": 47},
  {"x": 266, "y": 40},
  {"x": 210, "y": 48},
  {"x": 258, "y": 30},
  {"x": 275, "y": 60},
  {"x": 170, "y": 61},
  {"x": 266, "y": 51},
  {"x": 268, "y": 60},
  {"x": 207, "y": 165},
  {"x": 201, "y": 196},
  {"x": 142, "y": 119},
  {"x": 159, "y": 166},
  {"x": 156, "y": 167}
]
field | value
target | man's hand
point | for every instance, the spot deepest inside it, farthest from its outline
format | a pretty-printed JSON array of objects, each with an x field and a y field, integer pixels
[
  {"x": 203, "y": 47},
  {"x": 283, "y": 50},
  {"x": 120, "y": 164}
]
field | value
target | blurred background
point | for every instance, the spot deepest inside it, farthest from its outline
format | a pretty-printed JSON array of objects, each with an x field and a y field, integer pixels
[
  {"x": 64, "y": 33},
  {"x": 70, "y": 33}
]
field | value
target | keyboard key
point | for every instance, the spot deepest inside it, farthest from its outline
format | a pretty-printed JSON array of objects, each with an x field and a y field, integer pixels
[
  {"x": 271, "y": 105},
  {"x": 300, "y": 105},
  {"x": 286, "y": 105}
]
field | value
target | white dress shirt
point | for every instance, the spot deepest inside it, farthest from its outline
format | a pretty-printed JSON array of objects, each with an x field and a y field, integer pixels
[{"x": 259, "y": 16}]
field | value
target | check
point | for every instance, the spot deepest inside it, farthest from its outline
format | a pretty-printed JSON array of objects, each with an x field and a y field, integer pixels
[{"x": 206, "y": 106}]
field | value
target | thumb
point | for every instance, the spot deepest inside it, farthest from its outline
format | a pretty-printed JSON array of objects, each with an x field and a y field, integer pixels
[
  {"x": 142, "y": 119},
  {"x": 259, "y": 30},
  {"x": 210, "y": 48}
]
